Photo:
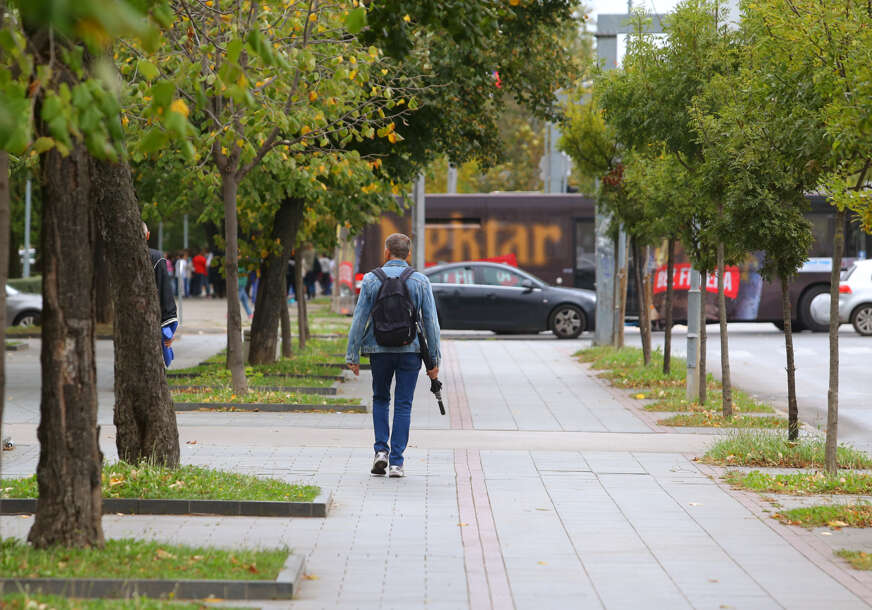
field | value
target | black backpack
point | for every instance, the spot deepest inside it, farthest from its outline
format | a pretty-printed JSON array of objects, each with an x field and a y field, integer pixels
[{"x": 394, "y": 319}]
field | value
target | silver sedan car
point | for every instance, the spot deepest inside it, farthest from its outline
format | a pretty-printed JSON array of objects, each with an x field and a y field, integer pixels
[
  {"x": 855, "y": 297},
  {"x": 22, "y": 309}
]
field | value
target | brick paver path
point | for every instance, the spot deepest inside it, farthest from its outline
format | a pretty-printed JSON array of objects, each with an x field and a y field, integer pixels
[{"x": 541, "y": 489}]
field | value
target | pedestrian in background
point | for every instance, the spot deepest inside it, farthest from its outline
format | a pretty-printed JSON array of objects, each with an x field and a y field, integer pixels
[
  {"x": 326, "y": 279},
  {"x": 243, "y": 292},
  {"x": 200, "y": 279},
  {"x": 183, "y": 271},
  {"x": 291, "y": 279},
  {"x": 169, "y": 320},
  {"x": 385, "y": 327}
]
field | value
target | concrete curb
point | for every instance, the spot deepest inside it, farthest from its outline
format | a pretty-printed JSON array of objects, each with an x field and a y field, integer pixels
[
  {"x": 20, "y": 347},
  {"x": 172, "y": 375},
  {"x": 267, "y": 407},
  {"x": 284, "y": 587},
  {"x": 157, "y": 506},
  {"x": 296, "y": 389}
]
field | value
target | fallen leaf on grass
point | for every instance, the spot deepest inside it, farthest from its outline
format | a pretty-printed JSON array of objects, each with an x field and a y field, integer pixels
[
  {"x": 837, "y": 523},
  {"x": 162, "y": 554}
]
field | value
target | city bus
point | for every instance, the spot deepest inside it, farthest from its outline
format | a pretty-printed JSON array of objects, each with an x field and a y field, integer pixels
[{"x": 553, "y": 237}]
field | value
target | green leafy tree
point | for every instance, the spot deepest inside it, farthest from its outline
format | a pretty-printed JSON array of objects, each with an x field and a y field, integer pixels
[
  {"x": 256, "y": 78},
  {"x": 827, "y": 45}
]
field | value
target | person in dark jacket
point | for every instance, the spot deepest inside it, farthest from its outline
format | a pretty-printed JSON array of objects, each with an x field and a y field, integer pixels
[{"x": 169, "y": 319}]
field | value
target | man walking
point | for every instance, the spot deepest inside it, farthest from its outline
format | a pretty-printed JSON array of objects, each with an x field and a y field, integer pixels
[
  {"x": 169, "y": 320},
  {"x": 394, "y": 300}
]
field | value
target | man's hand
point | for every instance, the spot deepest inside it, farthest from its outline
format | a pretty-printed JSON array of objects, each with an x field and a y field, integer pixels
[
  {"x": 433, "y": 373},
  {"x": 354, "y": 368}
]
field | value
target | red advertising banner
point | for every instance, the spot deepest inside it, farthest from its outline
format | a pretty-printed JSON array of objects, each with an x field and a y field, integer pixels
[{"x": 681, "y": 280}]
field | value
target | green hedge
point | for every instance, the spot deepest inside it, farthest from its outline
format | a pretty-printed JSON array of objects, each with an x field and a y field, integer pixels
[{"x": 27, "y": 284}]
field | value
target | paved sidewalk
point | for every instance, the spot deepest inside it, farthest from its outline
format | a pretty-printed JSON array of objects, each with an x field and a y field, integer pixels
[{"x": 541, "y": 489}]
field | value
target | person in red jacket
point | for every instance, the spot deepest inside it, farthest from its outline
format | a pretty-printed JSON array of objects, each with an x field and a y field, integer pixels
[{"x": 201, "y": 275}]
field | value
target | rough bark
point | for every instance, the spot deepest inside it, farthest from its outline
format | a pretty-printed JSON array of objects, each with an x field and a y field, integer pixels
[
  {"x": 670, "y": 294},
  {"x": 703, "y": 337},
  {"x": 300, "y": 290},
  {"x": 271, "y": 291},
  {"x": 726, "y": 385},
  {"x": 70, "y": 461},
  {"x": 102, "y": 264},
  {"x": 144, "y": 417},
  {"x": 833, "y": 390},
  {"x": 287, "y": 339},
  {"x": 792, "y": 409},
  {"x": 229, "y": 188},
  {"x": 644, "y": 321},
  {"x": 4, "y": 264}
]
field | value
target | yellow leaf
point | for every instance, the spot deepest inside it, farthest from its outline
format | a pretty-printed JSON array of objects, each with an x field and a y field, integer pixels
[
  {"x": 313, "y": 17},
  {"x": 406, "y": 18},
  {"x": 162, "y": 554},
  {"x": 226, "y": 18},
  {"x": 305, "y": 129},
  {"x": 180, "y": 106},
  {"x": 837, "y": 523},
  {"x": 313, "y": 95},
  {"x": 392, "y": 138}
]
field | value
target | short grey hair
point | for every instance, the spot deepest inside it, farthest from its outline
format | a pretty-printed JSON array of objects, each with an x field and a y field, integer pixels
[{"x": 398, "y": 245}]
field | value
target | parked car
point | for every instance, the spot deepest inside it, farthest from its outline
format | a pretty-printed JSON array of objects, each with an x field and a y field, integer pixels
[
  {"x": 505, "y": 299},
  {"x": 855, "y": 297},
  {"x": 22, "y": 309}
]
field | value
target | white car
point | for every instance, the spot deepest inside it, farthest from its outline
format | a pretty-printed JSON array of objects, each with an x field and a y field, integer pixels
[
  {"x": 855, "y": 297},
  {"x": 22, "y": 309}
]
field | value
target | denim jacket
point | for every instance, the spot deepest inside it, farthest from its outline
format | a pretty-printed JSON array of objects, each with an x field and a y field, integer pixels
[{"x": 361, "y": 338}]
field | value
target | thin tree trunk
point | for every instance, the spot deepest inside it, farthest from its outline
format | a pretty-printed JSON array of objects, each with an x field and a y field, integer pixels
[
  {"x": 301, "y": 298},
  {"x": 726, "y": 386},
  {"x": 703, "y": 338},
  {"x": 229, "y": 187},
  {"x": 287, "y": 339},
  {"x": 102, "y": 263},
  {"x": 271, "y": 291},
  {"x": 670, "y": 294},
  {"x": 623, "y": 280},
  {"x": 144, "y": 416},
  {"x": 4, "y": 262},
  {"x": 647, "y": 300},
  {"x": 833, "y": 391},
  {"x": 792, "y": 409},
  {"x": 68, "y": 474},
  {"x": 640, "y": 297}
]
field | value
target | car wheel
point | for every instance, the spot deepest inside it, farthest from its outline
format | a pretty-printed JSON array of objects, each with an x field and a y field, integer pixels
[
  {"x": 861, "y": 319},
  {"x": 567, "y": 322},
  {"x": 27, "y": 318},
  {"x": 814, "y": 309}
]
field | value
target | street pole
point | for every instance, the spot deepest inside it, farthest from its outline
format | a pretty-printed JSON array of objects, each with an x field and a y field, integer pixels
[
  {"x": 185, "y": 234},
  {"x": 694, "y": 302},
  {"x": 451, "y": 182},
  {"x": 160, "y": 236},
  {"x": 27, "y": 208},
  {"x": 420, "y": 223},
  {"x": 620, "y": 288}
]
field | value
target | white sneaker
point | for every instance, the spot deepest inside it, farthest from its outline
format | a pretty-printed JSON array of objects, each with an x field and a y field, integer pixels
[
  {"x": 380, "y": 463},
  {"x": 396, "y": 472}
]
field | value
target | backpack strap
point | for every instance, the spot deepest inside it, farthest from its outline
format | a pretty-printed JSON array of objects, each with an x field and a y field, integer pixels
[
  {"x": 406, "y": 274},
  {"x": 381, "y": 275}
]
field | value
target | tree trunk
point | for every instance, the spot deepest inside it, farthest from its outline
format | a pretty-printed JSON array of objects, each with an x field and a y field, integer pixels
[
  {"x": 647, "y": 300},
  {"x": 703, "y": 337},
  {"x": 670, "y": 293},
  {"x": 287, "y": 339},
  {"x": 4, "y": 265},
  {"x": 145, "y": 420},
  {"x": 640, "y": 297},
  {"x": 300, "y": 290},
  {"x": 833, "y": 391},
  {"x": 726, "y": 386},
  {"x": 623, "y": 280},
  {"x": 229, "y": 187},
  {"x": 102, "y": 263},
  {"x": 792, "y": 409},
  {"x": 70, "y": 502},
  {"x": 271, "y": 291}
]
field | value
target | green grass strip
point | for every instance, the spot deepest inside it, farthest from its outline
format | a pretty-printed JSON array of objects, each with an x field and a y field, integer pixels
[
  {"x": 21, "y": 601},
  {"x": 835, "y": 516},
  {"x": 765, "y": 449},
  {"x": 712, "y": 419},
  {"x": 225, "y": 394},
  {"x": 122, "y": 480},
  {"x": 859, "y": 560},
  {"x": 802, "y": 483},
  {"x": 128, "y": 558},
  {"x": 221, "y": 377}
]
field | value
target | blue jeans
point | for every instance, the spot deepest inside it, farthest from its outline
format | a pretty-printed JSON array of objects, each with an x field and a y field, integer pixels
[
  {"x": 243, "y": 296},
  {"x": 384, "y": 367}
]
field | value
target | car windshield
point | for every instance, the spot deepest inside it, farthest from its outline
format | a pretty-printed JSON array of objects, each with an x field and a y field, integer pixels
[{"x": 10, "y": 290}]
